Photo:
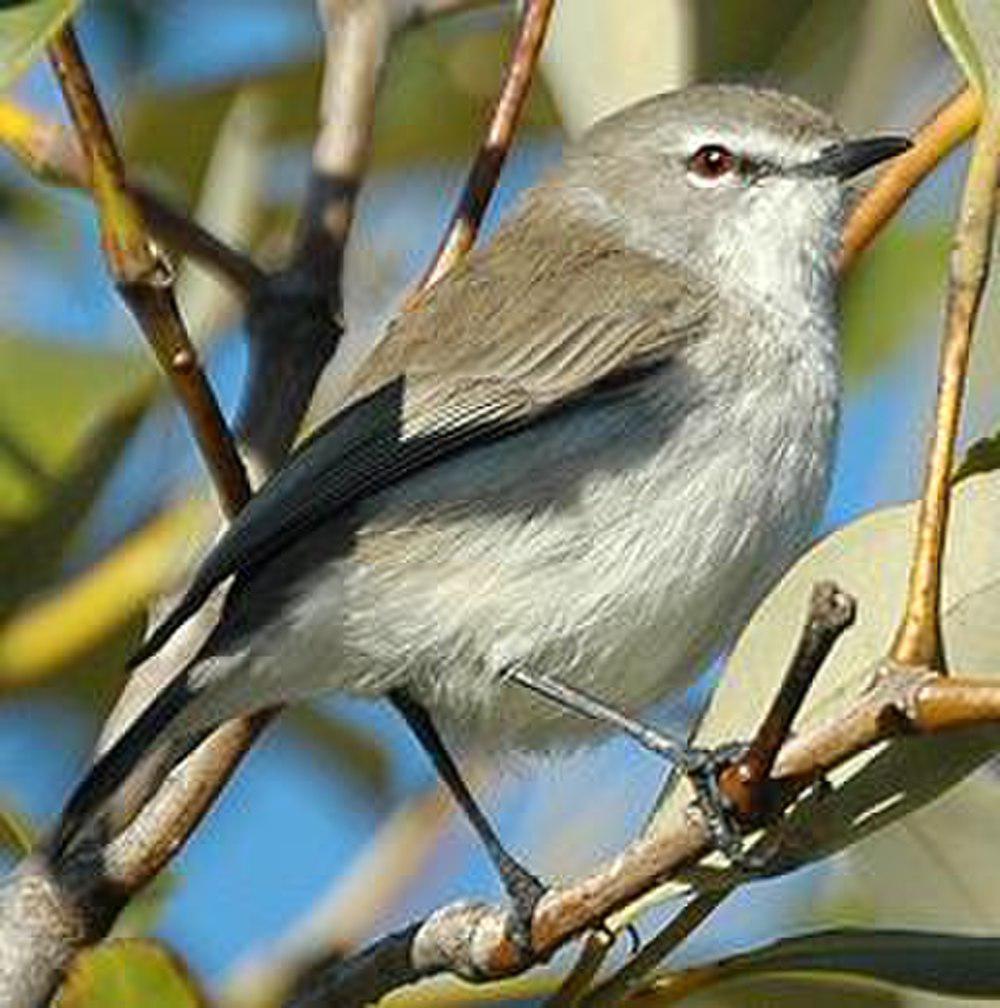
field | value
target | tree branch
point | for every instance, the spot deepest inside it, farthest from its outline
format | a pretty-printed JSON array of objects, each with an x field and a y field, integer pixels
[
  {"x": 143, "y": 278},
  {"x": 471, "y": 940},
  {"x": 485, "y": 172},
  {"x": 918, "y": 640}
]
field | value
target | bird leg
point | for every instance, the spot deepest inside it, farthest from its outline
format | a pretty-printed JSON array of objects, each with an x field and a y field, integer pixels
[
  {"x": 701, "y": 766},
  {"x": 523, "y": 889}
]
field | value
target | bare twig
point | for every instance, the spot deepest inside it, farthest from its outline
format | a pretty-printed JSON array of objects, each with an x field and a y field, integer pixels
[
  {"x": 485, "y": 171},
  {"x": 597, "y": 945},
  {"x": 477, "y": 944},
  {"x": 945, "y": 130},
  {"x": 918, "y": 640},
  {"x": 143, "y": 277}
]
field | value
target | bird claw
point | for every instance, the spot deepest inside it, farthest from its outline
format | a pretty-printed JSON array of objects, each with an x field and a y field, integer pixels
[{"x": 702, "y": 768}]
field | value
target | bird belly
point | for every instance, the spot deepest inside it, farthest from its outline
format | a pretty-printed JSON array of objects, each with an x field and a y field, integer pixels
[{"x": 621, "y": 580}]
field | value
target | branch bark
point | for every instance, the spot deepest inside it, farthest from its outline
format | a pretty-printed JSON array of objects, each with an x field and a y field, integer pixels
[
  {"x": 143, "y": 277},
  {"x": 918, "y": 640}
]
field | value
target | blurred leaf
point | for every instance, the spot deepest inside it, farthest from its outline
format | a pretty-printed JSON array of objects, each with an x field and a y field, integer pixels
[
  {"x": 972, "y": 30},
  {"x": 983, "y": 456},
  {"x": 25, "y": 27},
  {"x": 341, "y": 746},
  {"x": 730, "y": 42},
  {"x": 777, "y": 992},
  {"x": 41, "y": 379},
  {"x": 890, "y": 290},
  {"x": 958, "y": 965},
  {"x": 870, "y": 559},
  {"x": 127, "y": 973},
  {"x": 436, "y": 95},
  {"x": 17, "y": 835},
  {"x": 104, "y": 602},
  {"x": 31, "y": 551},
  {"x": 650, "y": 51}
]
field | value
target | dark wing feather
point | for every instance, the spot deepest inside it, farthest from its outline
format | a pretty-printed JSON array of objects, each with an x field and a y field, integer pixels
[{"x": 453, "y": 374}]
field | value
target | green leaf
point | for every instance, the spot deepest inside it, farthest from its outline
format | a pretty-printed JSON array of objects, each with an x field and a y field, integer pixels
[
  {"x": 982, "y": 456},
  {"x": 50, "y": 473},
  {"x": 972, "y": 30},
  {"x": 869, "y": 559},
  {"x": 892, "y": 288},
  {"x": 952, "y": 964},
  {"x": 40, "y": 379},
  {"x": 120, "y": 974},
  {"x": 17, "y": 835},
  {"x": 950, "y": 846},
  {"x": 753, "y": 991},
  {"x": 25, "y": 28}
]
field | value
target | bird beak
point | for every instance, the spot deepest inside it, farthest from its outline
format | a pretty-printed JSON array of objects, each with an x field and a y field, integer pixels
[{"x": 845, "y": 160}]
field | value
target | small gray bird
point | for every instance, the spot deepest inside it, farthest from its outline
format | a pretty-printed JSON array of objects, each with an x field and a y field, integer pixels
[{"x": 583, "y": 457}]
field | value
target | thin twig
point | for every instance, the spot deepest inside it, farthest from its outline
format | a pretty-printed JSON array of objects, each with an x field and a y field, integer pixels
[
  {"x": 143, "y": 277},
  {"x": 953, "y": 123},
  {"x": 918, "y": 640},
  {"x": 485, "y": 171},
  {"x": 745, "y": 781}
]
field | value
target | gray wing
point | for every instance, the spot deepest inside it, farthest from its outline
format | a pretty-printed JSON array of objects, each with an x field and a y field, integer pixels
[{"x": 464, "y": 368}]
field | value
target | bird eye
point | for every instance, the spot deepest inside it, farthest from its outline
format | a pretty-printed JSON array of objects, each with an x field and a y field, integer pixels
[{"x": 711, "y": 162}]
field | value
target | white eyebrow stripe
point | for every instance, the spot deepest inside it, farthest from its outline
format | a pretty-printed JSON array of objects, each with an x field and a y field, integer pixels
[{"x": 751, "y": 142}]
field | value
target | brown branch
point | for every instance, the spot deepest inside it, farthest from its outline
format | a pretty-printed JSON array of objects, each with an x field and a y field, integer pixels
[
  {"x": 51, "y": 153},
  {"x": 953, "y": 123},
  {"x": 478, "y": 943},
  {"x": 143, "y": 278},
  {"x": 485, "y": 172},
  {"x": 918, "y": 640}
]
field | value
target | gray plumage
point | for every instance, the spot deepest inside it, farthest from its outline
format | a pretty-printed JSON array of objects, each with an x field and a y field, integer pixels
[{"x": 588, "y": 452}]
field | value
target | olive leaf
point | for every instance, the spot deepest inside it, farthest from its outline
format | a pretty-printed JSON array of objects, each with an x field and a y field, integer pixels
[
  {"x": 950, "y": 964},
  {"x": 972, "y": 30},
  {"x": 129, "y": 972},
  {"x": 25, "y": 28}
]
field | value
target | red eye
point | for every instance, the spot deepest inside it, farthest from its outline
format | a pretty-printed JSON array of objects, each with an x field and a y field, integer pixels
[{"x": 711, "y": 162}]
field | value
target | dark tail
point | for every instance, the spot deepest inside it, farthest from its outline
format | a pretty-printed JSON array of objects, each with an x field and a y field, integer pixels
[{"x": 113, "y": 769}]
